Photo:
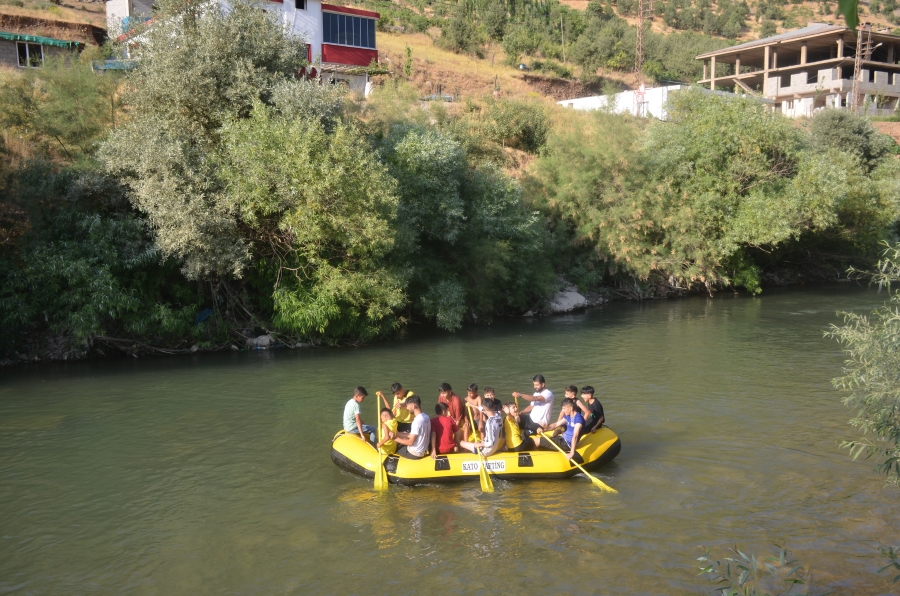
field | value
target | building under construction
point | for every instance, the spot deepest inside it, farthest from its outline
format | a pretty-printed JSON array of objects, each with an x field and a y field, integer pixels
[{"x": 811, "y": 68}]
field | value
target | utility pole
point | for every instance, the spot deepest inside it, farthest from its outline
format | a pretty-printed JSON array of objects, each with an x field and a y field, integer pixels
[
  {"x": 864, "y": 51},
  {"x": 645, "y": 11}
]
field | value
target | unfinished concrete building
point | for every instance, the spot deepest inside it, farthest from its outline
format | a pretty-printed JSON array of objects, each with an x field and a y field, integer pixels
[{"x": 808, "y": 69}]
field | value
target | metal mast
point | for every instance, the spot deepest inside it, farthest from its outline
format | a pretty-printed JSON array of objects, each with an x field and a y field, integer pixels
[
  {"x": 863, "y": 52},
  {"x": 645, "y": 11}
]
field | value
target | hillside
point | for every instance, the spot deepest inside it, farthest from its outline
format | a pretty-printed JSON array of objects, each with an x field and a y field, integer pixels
[{"x": 68, "y": 19}]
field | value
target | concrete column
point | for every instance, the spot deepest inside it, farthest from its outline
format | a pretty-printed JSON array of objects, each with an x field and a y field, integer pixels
[
  {"x": 712, "y": 73},
  {"x": 890, "y": 53},
  {"x": 803, "y": 53},
  {"x": 840, "y": 53},
  {"x": 737, "y": 65},
  {"x": 766, "y": 71},
  {"x": 774, "y": 59},
  {"x": 704, "y": 69}
]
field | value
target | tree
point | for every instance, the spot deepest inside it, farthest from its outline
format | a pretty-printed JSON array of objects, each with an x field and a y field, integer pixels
[
  {"x": 871, "y": 372},
  {"x": 495, "y": 20},
  {"x": 459, "y": 34}
]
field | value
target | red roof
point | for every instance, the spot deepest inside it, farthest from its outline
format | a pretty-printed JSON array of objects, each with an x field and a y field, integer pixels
[{"x": 357, "y": 11}]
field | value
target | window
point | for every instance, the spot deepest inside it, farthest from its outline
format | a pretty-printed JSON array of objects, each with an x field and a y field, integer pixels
[
  {"x": 348, "y": 30},
  {"x": 30, "y": 54},
  {"x": 301, "y": 4}
]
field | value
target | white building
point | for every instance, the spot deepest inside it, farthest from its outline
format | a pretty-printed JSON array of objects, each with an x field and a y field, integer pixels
[{"x": 340, "y": 40}]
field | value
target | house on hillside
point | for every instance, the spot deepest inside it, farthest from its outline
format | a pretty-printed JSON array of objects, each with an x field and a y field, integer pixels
[
  {"x": 340, "y": 40},
  {"x": 29, "y": 51},
  {"x": 808, "y": 69}
]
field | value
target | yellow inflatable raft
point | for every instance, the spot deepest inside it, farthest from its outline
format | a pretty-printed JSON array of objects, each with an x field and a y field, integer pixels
[{"x": 360, "y": 457}]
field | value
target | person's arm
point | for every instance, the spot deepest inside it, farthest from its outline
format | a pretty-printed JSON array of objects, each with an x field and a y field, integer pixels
[
  {"x": 532, "y": 398},
  {"x": 575, "y": 433},
  {"x": 585, "y": 411},
  {"x": 600, "y": 422},
  {"x": 433, "y": 445},
  {"x": 359, "y": 425},
  {"x": 384, "y": 399},
  {"x": 409, "y": 440},
  {"x": 386, "y": 435}
]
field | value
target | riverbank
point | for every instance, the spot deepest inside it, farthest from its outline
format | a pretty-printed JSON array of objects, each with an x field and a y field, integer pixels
[{"x": 44, "y": 346}]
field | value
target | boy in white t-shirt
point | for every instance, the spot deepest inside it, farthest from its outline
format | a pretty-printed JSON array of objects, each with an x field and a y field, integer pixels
[{"x": 536, "y": 416}]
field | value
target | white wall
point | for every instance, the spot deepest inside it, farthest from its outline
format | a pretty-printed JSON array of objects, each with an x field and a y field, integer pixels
[
  {"x": 306, "y": 24},
  {"x": 116, "y": 10},
  {"x": 654, "y": 104}
]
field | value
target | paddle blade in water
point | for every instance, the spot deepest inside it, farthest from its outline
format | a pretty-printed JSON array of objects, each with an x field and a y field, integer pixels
[
  {"x": 601, "y": 485},
  {"x": 381, "y": 481},
  {"x": 486, "y": 485}
]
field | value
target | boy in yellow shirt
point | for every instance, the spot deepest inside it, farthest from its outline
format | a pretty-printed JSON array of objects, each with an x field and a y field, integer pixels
[
  {"x": 515, "y": 441},
  {"x": 387, "y": 445},
  {"x": 403, "y": 416}
]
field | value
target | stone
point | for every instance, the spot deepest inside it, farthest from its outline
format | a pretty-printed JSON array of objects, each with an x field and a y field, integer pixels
[
  {"x": 567, "y": 302},
  {"x": 194, "y": 349},
  {"x": 263, "y": 341}
]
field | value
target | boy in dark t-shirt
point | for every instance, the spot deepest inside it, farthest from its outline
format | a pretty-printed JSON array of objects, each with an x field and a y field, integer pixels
[{"x": 593, "y": 413}]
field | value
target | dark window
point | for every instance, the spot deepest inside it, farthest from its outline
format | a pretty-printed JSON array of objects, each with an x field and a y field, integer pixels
[
  {"x": 301, "y": 4},
  {"x": 30, "y": 54},
  {"x": 348, "y": 30}
]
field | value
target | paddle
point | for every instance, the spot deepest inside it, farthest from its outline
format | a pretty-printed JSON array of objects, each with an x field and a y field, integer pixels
[
  {"x": 486, "y": 485},
  {"x": 381, "y": 481},
  {"x": 596, "y": 481}
]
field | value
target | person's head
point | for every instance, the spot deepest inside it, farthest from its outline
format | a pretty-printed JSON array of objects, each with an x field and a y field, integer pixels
[
  {"x": 413, "y": 403},
  {"x": 489, "y": 392},
  {"x": 568, "y": 406},
  {"x": 539, "y": 382},
  {"x": 360, "y": 393},
  {"x": 397, "y": 390},
  {"x": 441, "y": 409},
  {"x": 445, "y": 390},
  {"x": 386, "y": 414},
  {"x": 511, "y": 408},
  {"x": 571, "y": 391},
  {"x": 587, "y": 393},
  {"x": 498, "y": 405},
  {"x": 488, "y": 406},
  {"x": 472, "y": 390}
]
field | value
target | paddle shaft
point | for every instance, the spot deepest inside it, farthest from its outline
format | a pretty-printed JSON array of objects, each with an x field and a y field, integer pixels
[{"x": 597, "y": 482}]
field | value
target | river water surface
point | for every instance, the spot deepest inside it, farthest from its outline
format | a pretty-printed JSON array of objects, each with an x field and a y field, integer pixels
[{"x": 211, "y": 473}]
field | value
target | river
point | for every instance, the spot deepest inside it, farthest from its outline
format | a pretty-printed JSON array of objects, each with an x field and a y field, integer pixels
[{"x": 211, "y": 473}]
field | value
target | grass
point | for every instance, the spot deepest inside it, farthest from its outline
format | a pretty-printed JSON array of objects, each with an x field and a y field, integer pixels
[{"x": 73, "y": 11}]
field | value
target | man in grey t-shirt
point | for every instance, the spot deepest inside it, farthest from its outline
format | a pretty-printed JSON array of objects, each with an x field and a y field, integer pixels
[{"x": 415, "y": 443}]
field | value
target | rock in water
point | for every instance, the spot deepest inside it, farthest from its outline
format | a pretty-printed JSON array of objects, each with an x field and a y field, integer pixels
[
  {"x": 263, "y": 341},
  {"x": 567, "y": 302}
]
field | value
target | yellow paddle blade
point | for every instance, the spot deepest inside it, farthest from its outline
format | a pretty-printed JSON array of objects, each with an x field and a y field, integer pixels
[
  {"x": 486, "y": 485},
  {"x": 381, "y": 481},
  {"x": 601, "y": 485}
]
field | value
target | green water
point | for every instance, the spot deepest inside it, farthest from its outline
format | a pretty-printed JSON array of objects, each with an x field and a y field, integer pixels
[{"x": 211, "y": 474}]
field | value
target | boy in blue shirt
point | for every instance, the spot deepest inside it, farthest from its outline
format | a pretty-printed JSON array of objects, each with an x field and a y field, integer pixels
[
  {"x": 573, "y": 422},
  {"x": 353, "y": 420}
]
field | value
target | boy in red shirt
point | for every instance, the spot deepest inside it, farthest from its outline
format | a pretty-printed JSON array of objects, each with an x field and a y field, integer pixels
[
  {"x": 444, "y": 432},
  {"x": 453, "y": 401}
]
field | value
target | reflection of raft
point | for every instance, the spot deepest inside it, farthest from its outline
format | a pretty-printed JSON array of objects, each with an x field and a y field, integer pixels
[{"x": 354, "y": 455}]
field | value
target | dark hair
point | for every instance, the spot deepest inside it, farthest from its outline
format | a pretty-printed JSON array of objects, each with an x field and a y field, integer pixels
[
  {"x": 488, "y": 404},
  {"x": 573, "y": 389},
  {"x": 360, "y": 391},
  {"x": 388, "y": 410},
  {"x": 445, "y": 387},
  {"x": 414, "y": 399},
  {"x": 568, "y": 402},
  {"x": 472, "y": 387},
  {"x": 488, "y": 389},
  {"x": 498, "y": 405},
  {"x": 587, "y": 389},
  {"x": 396, "y": 387},
  {"x": 441, "y": 408},
  {"x": 539, "y": 378},
  {"x": 511, "y": 403}
]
